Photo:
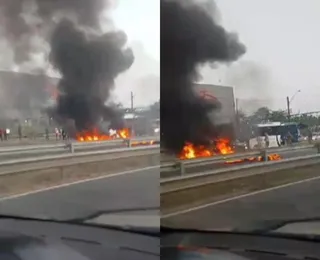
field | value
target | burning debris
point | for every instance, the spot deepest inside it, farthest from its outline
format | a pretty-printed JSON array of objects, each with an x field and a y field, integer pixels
[
  {"x": 96, "y": 135},
  {"x": 271, "y": 157},
  {"x": 218, "y": 147},
  {"x": 190, "y": 37},
  {"x": 151, "y": 142},
  {"x": 221, "y": 146}
]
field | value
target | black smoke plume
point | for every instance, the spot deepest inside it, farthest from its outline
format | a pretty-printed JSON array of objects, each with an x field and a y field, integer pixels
[
  {"x": 189, "y": 38},
  {"x": 89, "y": 64},
  {"x": 87, "y": 59},
  {"x": 21, "y": 20}
]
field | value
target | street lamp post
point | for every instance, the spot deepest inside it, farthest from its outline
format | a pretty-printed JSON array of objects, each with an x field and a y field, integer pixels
[
  {"x": 288, "y": 108},
  {"x": 289, "y": 100},
  {"x": 133, "y": 113}
]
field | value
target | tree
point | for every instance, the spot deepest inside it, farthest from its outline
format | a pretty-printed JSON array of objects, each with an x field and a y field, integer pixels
[
  {"x": 309, "y": 120},
  {"x": 262, "y": 114},
  {"x": 155, "y": 110},
  {"x": 265, "y": 114},
  {"x": 278, "y": 116}
]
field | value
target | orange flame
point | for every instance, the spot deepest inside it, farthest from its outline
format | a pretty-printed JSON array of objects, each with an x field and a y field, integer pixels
[
  {"x": 274, "y": 157},
  {"x": 95, "y": 135},
  {"x": 271, "y": 157},
  {"x": 151, "y": 142},
  {"x": 123, "y": 133},
  {"x": 221, "y": 146},
  {"x": 224, "y": 147}
]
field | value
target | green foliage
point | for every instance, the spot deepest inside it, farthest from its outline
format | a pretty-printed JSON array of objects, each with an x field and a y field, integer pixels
[{"x": 264, "y": 114}]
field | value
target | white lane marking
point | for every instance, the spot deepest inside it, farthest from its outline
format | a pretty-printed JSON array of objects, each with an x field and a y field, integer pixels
[
  {"x": 181, "y": 212},
  {"x": 79, "y": 182}
]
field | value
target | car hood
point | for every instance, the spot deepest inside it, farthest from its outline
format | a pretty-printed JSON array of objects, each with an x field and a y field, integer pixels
[{"x": 147, "y": 219}]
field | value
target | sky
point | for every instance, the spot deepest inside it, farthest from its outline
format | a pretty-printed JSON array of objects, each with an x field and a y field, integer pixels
[
  {"x": 283, "y": 48},
  {"x": 140, "y": 19},
  {"x": 283, "y": 52}
]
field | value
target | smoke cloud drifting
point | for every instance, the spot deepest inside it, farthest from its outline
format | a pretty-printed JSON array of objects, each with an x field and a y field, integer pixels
[
  {"x": 89, "y": 65},
  {"x": 189, "y": 37},
  {"x": 253, "y": 82},
  {"x": 88, "y": 59},
  {"x": 23, "y": 21}
]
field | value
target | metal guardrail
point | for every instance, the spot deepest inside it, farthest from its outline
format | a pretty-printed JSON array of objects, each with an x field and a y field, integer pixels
[
  {"x": 148, "y": 150},
  {"x": 182, "y": 165},
  {"x": 9, "y": 149},
  {"x": 71, "y": 146}
]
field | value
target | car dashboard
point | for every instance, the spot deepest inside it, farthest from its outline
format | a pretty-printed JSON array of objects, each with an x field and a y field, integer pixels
[
  {"x": 45, "y": 240},
  {"x": 194, "y": 245}
]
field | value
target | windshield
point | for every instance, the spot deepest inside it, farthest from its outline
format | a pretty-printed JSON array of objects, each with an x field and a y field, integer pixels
[
  {"x": 236, "y": 54},
  {"x": 79, "y": 110}
]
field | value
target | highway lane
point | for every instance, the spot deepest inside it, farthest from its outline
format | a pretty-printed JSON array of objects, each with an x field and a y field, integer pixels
[
  {"x": 137, "y": 189},
  {"x": 295, "y": 201}
]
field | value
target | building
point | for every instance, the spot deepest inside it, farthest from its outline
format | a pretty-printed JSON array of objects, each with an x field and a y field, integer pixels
[
  {"x": 143, "y": 120},
  {"x": 24, "y": 95}
]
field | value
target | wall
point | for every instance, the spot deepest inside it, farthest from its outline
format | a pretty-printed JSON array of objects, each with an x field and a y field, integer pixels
[{"x": 24, "y": 95}]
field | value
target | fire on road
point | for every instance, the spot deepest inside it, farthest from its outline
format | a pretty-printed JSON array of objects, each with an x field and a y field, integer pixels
[{"x": 221, "y": 146}]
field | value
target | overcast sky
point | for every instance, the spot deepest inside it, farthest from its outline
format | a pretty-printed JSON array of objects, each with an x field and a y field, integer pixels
[
  {"x": 140, "y": 19},
  {"x": 283, "y": 51},
  {"x": 283, "y": 40}
]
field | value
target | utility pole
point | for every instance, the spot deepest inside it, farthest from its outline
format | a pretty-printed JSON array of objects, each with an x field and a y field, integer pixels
[
  {"x": 131, "y": 98},
  {"x": 289, "y": 100},
  {"x": 288, "y": 108},
  {"x": 132, "y": 112},
  {"x": 237, "y": 107},
  {"x": 237, "y": 118}
]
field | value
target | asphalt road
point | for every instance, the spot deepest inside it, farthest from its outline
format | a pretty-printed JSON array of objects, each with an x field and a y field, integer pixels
[
  {"x": 138, "y": 189},
  {"x": 295, "y": 201}
]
